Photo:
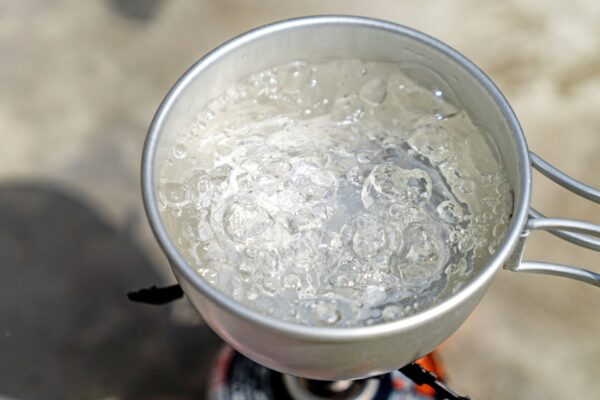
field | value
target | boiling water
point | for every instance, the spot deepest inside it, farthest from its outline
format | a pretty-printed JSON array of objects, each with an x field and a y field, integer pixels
[{"x": 339, "y": 194}]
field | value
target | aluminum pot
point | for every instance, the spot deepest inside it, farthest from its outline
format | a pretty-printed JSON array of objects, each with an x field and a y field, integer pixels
[{"x": 347, "y": 353}]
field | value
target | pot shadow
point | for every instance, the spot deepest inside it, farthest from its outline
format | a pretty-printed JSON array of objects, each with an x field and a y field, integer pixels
[{"x": 67, "y": 330}]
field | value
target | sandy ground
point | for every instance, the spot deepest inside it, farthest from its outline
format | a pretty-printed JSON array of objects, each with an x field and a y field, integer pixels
[{"x": 80, "y": 81}]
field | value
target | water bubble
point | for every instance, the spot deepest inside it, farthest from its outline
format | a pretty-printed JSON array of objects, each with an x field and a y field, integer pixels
[
  {"x": 312, "y": 161},
  {"x": 291, "y": 281},
  {"x": 306, "y": 246},
  {"x": 247, "y": 182},
  {"x": 201, "y": 189},
  {"x": 466, "y": 243},
  {"x": 210, "y": 251},
  {"x": 504, "y": 204},
  {"x": 451, "y": 269},
  {"x": 355, "y": 176},
  {"x": 209, "y": 275},
  {"x": 434, "y": 142},
  {"x": 384, "y": 181},
  {"x": 179, "y": 150},
  {"x": 221, "y": 172},
  {"x": 454, "y": 236},
  {"x": 396, "y": 211},
  {"x": 372, "y": 295},
  {"x": 313, "y": 193},
  {"x": 419, "y": 186},
  {"x": 189, "y": 228},
  {"x": 174, "y": 194},
  {"x": 278, "y": 169},
  {"x": 415, "y": 98},
  {"x": 304, "y": 219},
  {"x": 369, "y": 238},
  {"x": 424, "y": 252},
  {"x": 389, "y": 182},
  {"x": 492, "y": 248},
  {"x": 498, "y": 230},
  {"x": 271, "y": 283},
  {"x": 392, "y": 313},
  {"x": 422, "y": 255},
  {"x": 364, "y": 157},
  {"x": 294, "y": 76},
  {"x": 325, "y": 313},
  {"x": 343, "y": 280},
  {"x": 251, "y": 250},
  {"x": 347, "y": 109},
  {"x": 267, "y": 261},
  {"x": 373, "y": 276},
  {"x": 502, "y": 187},
  {"x": 336, "y": 242},
  {"x": 204, "y": 231},
  {"x": 467, "y": 186},
  {"x": 498, "y": 208},
  {"x": 247, "y": 267},
  {"x": 450, "y": 211},
  {"x": 462, "y": 266},
  {"x": 373, "y": 92},
  {"x": 325, "y": 178},
  {"x": 245, "y": 221}
]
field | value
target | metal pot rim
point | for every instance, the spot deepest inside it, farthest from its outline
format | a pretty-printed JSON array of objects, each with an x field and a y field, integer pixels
[{"x": 515, "y": 227}]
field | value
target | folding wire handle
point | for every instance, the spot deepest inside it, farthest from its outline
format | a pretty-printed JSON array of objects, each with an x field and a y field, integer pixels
[{"x": 578, "y": 232}]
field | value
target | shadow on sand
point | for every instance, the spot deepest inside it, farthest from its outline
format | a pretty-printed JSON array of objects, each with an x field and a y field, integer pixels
[{"x": 67, "y": 330}]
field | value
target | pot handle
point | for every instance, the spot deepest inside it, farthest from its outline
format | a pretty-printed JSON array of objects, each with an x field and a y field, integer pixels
[
  {"x": 578, "y": 232},
  {"x": 564, "y": 180}
]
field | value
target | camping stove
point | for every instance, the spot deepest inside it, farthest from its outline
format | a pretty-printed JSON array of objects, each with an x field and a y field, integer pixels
[{"x": 236, "y": 377}]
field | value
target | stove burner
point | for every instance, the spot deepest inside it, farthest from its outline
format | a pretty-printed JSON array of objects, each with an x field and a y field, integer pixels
[
  {"x": 235, "y": 377},
  {"x": 307, "y": 389}
]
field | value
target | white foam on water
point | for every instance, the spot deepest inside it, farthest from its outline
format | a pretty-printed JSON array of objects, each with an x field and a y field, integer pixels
[{"x": 336, "y": 194}]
